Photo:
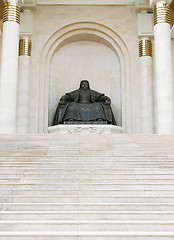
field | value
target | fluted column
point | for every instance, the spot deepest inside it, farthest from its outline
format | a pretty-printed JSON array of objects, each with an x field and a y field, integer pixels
[
  {"x": 163, "y": 69},
  {"x": 9, "y": 67},
  {"x": 23, "y": 85},
  {"x": 146, "y": 81}
]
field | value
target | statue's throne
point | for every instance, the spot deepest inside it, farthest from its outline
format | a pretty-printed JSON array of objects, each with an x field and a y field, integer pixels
[
  {"x": 84, "y": 111},
  {"x": 61, "y": 108}
]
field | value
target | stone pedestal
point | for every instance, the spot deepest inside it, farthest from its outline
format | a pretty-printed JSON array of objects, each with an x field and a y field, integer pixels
[{"x": 85, "y": 129}]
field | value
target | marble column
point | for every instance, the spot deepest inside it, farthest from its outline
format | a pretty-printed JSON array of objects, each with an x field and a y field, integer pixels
[
  {"x": 146, "y": 81},
  {"x": 23, "y": 85},
  {"x": 9, "y": 67},
  {"x": 163, "y": 69}
]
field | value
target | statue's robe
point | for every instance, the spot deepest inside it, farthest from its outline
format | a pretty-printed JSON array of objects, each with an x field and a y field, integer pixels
[{"x": 84, "y": 111}]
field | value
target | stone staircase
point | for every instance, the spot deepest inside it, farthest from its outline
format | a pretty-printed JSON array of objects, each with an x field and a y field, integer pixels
[{"x": 87, "y": 187}]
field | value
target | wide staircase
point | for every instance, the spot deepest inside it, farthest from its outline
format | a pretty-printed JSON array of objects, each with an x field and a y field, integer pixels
[{"x": 87, "y": 187}]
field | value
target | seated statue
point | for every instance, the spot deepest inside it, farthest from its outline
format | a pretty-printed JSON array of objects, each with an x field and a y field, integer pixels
[{"x": 84, "y": 105}]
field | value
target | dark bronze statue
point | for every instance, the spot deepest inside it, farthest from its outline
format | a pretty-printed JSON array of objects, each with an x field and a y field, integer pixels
[{"x": 84, "y": 106}]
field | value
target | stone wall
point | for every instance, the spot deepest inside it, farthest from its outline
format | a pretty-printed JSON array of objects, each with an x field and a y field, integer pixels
[
  {"x": 105, "y": 52},
  {"x": 104, "y": 69},
  {"x": 85, "y": 60}
]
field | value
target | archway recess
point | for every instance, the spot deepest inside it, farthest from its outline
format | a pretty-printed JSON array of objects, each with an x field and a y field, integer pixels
[{"x": 85, "y": 31}]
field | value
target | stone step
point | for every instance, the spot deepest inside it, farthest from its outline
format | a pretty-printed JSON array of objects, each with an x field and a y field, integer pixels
[
  {"x": 82, "y": 176},
  {"x": 87, "y": 225},
  {"x": 85, "y": 166},
  {"x": 89, "y": 166},
  {"x": 73, "y": 146},
  {"x": 74, "y": 188},
  {"x": 66, "y": 153},
  {"x": 40, "y": 144},
  {"x": 86, "y": 235},
  {"x": 84, "y": 181},
  {"x": 81, "y": 158},
  {"x": 86, "y": 158},
  {"x": 71, "y": 141},
  {"x": 63, "y": 152},
  {"x": 87, "y": 198},
  {"x": 40, "y": 147},
  {"x": 87, "y": 215},
  {"x": 87, "y": 206},
  {"x": 95, "y": 192},
  {"x": 87, "y": 171},
  {"x": 87, "y": 186},
  {"x": 85, "y": 145}
]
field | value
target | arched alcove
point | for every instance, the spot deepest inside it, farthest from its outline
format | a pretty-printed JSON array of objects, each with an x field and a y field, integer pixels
[
  {"x": 85, "y": 60},
  {"x": 83, "y": 32}
]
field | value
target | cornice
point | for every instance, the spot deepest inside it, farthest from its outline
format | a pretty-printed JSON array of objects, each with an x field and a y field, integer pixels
[{"x": 85, "y": 2}]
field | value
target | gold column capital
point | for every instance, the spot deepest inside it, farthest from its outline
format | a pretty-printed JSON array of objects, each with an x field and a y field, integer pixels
[
  {"x": 161, "y": 12},
  {"x": 25, "y": 47},
  {"x": 145, "y": 48},
  {"x": 11, "y": 12}
]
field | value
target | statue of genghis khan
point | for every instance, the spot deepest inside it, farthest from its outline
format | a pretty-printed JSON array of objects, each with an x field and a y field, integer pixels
[{"x": 84, "y": 106}]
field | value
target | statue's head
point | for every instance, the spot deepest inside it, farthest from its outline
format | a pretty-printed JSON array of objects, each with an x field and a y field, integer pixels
[{"x": 84, "y": 84}]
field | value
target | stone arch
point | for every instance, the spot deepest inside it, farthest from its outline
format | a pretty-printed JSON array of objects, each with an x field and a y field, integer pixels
[{"x": 89, "y": 31}]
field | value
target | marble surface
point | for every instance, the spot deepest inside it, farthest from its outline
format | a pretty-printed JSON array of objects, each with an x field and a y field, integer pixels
[
  {"x": 147, "y": 99},
  {"x": 163, "y": 79},
  {"x": 23, "y": 94},
  {"x": 9, "y": 77},
  {"x": 100, "y": 187},
  {"x": 85, "y": 129}
]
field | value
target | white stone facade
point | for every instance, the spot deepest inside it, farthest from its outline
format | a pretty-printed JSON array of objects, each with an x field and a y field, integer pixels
[
  {"x": 75, "y": 42},
  {"x": 108, "y": 32}
]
